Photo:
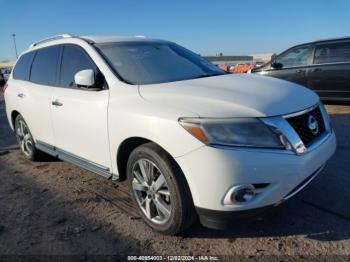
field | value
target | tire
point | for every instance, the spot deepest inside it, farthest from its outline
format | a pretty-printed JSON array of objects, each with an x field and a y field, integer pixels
[
  {"x": 170, "y": 206},
  {"x": 25, "y": 139}
]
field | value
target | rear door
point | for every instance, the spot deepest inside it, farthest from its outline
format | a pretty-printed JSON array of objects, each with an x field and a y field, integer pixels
[
  {"x": 329, "y": 74},
  {"x": 35, "y": 95},
  {"x": 80, "y": 115},
  {"x": 292, "y": 65}
]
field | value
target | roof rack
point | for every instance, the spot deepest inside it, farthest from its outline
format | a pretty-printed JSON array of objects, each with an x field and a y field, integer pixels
[{"x": 55, "y": 37}]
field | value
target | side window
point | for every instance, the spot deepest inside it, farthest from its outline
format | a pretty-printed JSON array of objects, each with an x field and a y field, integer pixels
[
  {"x": 74, "y": 59},
  {"x": 44, "y": 67},
  {"x": 22, "y": 68},
  {"x": 332, "y": 53},
  {"x": 294, "y": 57}
]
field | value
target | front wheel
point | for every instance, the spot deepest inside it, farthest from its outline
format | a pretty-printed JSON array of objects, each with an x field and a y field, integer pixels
[{"x": 159, "y": 190}]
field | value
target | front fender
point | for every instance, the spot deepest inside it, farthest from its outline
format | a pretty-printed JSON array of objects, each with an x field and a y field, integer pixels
[{"x": 132, "y": 116}]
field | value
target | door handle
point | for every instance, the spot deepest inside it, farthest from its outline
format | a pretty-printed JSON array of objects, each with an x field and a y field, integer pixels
[
  {"x": 20, "y": 95},
  {"x": 56, "y": 103},
  {"x": 316, "y": 70},
  {"x": 299, "y": 71}
]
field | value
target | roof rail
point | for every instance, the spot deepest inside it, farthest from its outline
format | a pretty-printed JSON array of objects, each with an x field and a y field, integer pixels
[{"x": 51, "y": 38}]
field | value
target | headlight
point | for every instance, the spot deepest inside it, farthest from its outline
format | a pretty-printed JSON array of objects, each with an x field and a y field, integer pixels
[{"x": 247, "y": 132}]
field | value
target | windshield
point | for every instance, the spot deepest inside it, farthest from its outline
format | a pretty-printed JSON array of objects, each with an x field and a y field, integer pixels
[{"x": 152, "y": 62}]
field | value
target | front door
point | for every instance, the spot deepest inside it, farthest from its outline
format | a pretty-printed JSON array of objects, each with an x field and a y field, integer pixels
[
  {"x": 80, "y": 115},
  {"x": 291, "y": 65}
]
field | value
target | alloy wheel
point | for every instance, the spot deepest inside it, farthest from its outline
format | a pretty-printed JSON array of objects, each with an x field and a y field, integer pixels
[{"x": 151, "y": 191}]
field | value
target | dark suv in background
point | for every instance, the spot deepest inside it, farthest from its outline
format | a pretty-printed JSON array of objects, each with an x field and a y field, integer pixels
[{"x": 323, "y": 66}]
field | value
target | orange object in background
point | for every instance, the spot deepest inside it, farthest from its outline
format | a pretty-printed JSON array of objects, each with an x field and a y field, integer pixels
[
  {"x": 224, "y": 68},
  {"x": 239, "y": 68},
  {"x": 243, "y": 68}
]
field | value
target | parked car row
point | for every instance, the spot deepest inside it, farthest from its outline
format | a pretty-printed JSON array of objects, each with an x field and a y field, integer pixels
[{"x": 323, "y": 66}]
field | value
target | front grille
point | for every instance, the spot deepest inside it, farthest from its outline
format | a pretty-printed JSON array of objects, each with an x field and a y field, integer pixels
[{"x": 300, "y": 123}]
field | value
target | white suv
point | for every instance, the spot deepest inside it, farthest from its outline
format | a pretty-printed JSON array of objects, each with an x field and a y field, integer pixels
[{"x": 189, "y": 138}]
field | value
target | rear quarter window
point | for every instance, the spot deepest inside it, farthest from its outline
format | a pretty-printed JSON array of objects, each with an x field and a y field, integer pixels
[
  {"x": 45, "y": 64},
  {"x": 22, "y": 68},
  {"x": 332, "y": 53}
]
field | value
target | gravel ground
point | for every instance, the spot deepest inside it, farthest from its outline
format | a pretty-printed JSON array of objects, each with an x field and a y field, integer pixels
[{"x": 55, "y": 208}]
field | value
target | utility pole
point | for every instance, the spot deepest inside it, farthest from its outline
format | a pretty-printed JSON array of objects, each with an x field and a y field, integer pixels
[{"x": 14, "y": 42}]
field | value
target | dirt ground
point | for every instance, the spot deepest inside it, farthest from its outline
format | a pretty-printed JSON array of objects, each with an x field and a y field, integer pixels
[{"x": 55, "y": 208}]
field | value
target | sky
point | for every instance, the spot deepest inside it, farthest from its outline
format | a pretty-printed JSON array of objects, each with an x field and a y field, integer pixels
[{"x": 208, "y": 27}]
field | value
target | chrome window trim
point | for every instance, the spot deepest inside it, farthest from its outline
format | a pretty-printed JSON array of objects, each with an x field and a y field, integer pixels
[
  {"x": 290, "y": 67},
  {"x": 332, "y": 63},
  {"x": 307, "y": 66}
]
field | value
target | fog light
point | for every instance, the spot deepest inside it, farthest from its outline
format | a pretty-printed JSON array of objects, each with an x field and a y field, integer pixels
[{"x": 242, "y": 193}]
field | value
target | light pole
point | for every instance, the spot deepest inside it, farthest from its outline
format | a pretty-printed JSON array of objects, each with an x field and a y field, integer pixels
[{"x": 14, "y": 42}]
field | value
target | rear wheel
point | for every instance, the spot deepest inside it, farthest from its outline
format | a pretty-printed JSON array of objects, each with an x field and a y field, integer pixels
[
  {"x": 159, "y": 190},
  {"x": 25, "y": 139}
]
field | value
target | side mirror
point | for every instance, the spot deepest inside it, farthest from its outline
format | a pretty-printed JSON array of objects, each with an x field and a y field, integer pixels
[
  {"x": 276, "y": 65},
  {"x": 85, "y": 78}
]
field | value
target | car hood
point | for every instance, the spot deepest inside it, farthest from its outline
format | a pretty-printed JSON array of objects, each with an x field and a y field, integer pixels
[{"x": 232, "y": 95}]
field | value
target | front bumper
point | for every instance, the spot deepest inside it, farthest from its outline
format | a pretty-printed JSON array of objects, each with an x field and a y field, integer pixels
[
  {"x": 224, "y": 219},
  {"x": 211, "y": 172}
]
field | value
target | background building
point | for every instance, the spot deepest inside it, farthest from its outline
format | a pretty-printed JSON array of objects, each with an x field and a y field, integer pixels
[
  {"x": 262, "y": 57},
  {"x": 223, "y": 60},
  {"x": 7, "y": 64},
  {"x": 229, "y": 60}
]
